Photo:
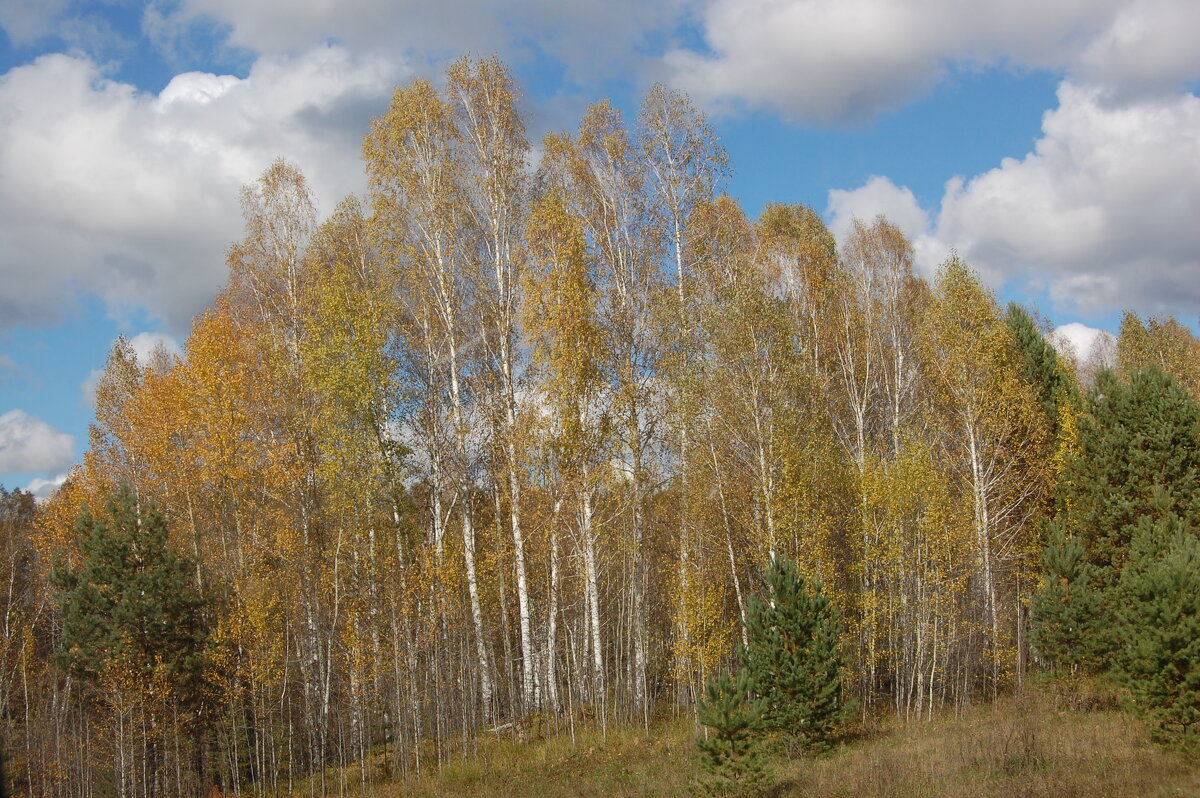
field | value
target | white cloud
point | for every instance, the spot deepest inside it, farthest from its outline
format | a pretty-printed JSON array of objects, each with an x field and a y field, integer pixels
[
  {"x": 25, "y": 21},
  {"x": 1099, "y": 216},
  {"x": 282, "y": 25},
  {"x": 1148, "y": 47},
  {"x": 1075, "y": 339},
  {"x": 88, "y": 388},
  {"x": 838, "y": 61},
  {"x": 135, "y": 196},
  {"x": 30, "y": 444},
  {"x": 43, "y": 489},
  {"x": 1086, "y": 347},
  {"x": 590, "y": 39},
  {"x": 878, "y": 195},
  {"x": 145, "y": 344}
]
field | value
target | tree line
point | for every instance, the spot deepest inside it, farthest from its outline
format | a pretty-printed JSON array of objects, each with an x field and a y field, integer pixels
[{"x": 508, "y": 445}]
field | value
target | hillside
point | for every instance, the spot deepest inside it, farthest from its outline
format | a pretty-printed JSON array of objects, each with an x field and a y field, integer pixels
[{"x": 1028, "y": 745}]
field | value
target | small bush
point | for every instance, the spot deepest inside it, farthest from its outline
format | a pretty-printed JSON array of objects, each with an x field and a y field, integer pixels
[
  {"x": 794, "y": 658},
  {"x": 731, "y": 757}
]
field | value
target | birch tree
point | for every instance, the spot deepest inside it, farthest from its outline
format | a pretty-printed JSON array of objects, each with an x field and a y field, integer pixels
[
  {"x": 686, "y": 165},
  {"x": 569, "y": 352},
  {"x": 483, "y": 96},
  {"x": 605, "y": 182},
  {"x": 997, "y": 436},
  {"x": 422, "y": 227}
]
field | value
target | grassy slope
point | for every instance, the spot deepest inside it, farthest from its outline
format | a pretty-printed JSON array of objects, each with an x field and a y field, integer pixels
[{"x": 1023, "y": 747}]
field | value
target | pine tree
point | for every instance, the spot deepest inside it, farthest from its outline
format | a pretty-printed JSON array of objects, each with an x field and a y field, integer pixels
[
  {"x": 731, "y": 756},
  {"x": 1116, "y": 599},
  {"x": 1068, "y": 630},
  {"x": 1043, "y": 369},
  {"x": 794, "y": 658},
  {"x": 131, "y": 606},
  {"x": 1137, "y": 440},
  {"x": 1159, "y": 623}
]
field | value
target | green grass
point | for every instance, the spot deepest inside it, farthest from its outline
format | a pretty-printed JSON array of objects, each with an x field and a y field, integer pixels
[{"x": 1027, "y": 746}]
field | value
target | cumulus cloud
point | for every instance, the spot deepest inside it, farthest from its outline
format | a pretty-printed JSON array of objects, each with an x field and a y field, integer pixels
[
  {"x": 878, "y": 195},
  {"x": 134, "y": 196},
  {"x": 282, "y": 25},
  {"x": 590, "y": 39},
  {"x": 146, "y": 344},
  {"x": 845, "y": 61},
  {"x": 1075, "y": 339},
  {"x": 1148, "y": 47},
  {"x": 1099, "y": 215},
  {"x": 43, "y": 489},
  {"x": 1089, "y": 349},
  {"x": 30, "y": 444}
]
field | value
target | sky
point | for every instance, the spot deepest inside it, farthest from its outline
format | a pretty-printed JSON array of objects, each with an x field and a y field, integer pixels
[{"x": 1054, "y": 145}]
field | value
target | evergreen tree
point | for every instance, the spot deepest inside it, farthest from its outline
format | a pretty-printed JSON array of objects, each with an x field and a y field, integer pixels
[
  {"x": 1042, "y": 367},
  {"x": 794, "y": 657},
  {"x": 1135, "y": 441},
  {"x": 1118, "y": 594},
  {"x": 1068, "y": 630},
  {"x": 131, "y": 608},
  {"x": 1159, "y": 622},
  {"x": 731, "y": 756}
]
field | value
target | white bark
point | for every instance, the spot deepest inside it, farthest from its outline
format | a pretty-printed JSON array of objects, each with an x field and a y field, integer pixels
[
  {"x": 984, "y": 543},
  {"x": 587, "y": 534},
  {"x": 551, "y": 655}
]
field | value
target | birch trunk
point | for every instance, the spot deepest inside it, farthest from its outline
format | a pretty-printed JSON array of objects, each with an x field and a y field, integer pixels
[
  {"x": 468, "y": 527},
  {"x": 593, "y": 595},
  {"x": 983, "y": 541}
]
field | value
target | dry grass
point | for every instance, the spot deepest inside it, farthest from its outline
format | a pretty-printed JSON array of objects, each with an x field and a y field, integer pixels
[
  {"x": 626, "y": 762},
  {"x": 1025, "y": 747}
]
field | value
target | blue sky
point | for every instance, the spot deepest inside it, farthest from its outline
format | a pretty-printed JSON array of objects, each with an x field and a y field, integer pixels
[{"x": 1056, "y": 146}]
